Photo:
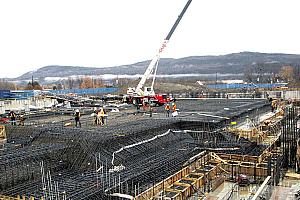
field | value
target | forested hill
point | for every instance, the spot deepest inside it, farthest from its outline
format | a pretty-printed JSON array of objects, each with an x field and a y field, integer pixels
[{"x": 231, "y": 63}]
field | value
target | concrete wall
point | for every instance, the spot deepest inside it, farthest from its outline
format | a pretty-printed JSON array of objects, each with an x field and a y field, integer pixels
[
  {"x": 25, "y": 104},
  {"x": 285, "y": 94}
]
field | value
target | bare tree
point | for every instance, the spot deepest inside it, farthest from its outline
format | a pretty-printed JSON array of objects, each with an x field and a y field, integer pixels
[
  {"x": 286, "y": 73},
  {"x": 248, "y": 75},
  {"x": 71, "y": 83},
  {"x": 87, "y": 82},
  {"x": 35, "y": 85},
  {"x": 5, "y": 85}
]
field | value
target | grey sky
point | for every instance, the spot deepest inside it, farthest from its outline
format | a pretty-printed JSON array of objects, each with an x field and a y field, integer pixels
[{"x": 103, "y": 33}]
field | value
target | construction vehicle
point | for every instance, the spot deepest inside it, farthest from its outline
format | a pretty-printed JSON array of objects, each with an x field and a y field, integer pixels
[{"x": 139, "y": 95}]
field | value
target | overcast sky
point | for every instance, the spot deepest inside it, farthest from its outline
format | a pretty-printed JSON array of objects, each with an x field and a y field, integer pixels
[{"x": 103, "y": 33}]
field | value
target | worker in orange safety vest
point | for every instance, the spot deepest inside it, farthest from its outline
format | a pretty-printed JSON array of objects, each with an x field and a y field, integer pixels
[
  {"x": 174, "y": 110},
  {"x": 174, "y": 107},
  {"x": 167, "y": 109}
]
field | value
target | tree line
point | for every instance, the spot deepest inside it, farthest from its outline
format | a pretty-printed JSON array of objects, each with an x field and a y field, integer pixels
[{"x": 261, "y": 73}]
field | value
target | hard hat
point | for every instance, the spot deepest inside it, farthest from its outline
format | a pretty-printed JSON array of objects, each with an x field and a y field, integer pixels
[{"x": 77, "y": 110}]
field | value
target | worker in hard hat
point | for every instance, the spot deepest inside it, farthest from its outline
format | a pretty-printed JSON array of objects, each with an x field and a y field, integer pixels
[
  {"x": 77, "y": 118},
  {"x": 101, "y": 116},
  {"x": 174, "y": 110},
  {"x": 273, "y": 105},
  {"x": 167, "y": 109},
  {"x": 22, "y": 120},
  {"x": 174, "y": 107}
]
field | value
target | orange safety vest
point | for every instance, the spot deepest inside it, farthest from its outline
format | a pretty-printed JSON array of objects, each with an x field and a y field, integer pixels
[
  {"x": 174, "y": 107},
  {"x": 167, "y": 107}
]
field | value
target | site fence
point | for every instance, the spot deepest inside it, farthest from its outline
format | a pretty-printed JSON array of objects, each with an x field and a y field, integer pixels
[
  {"x": 240, "y": 85},
  {"x": 24, "y": 94},
  {"x": 86, "y": 91}
]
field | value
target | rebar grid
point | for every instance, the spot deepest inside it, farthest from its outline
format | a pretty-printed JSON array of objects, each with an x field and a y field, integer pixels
[{"x": 80, "y": 159}]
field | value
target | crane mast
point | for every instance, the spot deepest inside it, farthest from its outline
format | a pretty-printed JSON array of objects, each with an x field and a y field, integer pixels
[{"x": 154, "y": 62}]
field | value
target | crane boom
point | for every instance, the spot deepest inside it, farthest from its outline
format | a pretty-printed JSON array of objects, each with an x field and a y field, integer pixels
[
  {"x": 155, "y": 60},
  {"x": 178, "y": 20}
]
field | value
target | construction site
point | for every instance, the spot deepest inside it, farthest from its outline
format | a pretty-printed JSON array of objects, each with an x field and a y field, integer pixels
[
  {"x": 97, "y": 144},
  {"x": 213, "y": 149}
]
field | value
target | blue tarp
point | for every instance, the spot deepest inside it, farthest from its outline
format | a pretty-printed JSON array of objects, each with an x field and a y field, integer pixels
[
  {"x": 4, "y": 94},
  {"x": 24, "y": 94},
  {"x": 21, "y": 94},
  {"x": 248, "y": 85}
]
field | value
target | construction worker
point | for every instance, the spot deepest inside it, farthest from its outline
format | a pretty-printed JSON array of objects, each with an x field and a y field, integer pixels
[
  {"x": 174, "y": 110},
  {"x": 150, "y": 110},
  {"x": 273, "y": 105},
  {"x": 77, "y": 118},
  {"x": 13, "y": 118},
  {"x": 94, "y": 114},
  {"x": 167, "y": 109},
  {"x": 22, "y": 119},
  {"x": 101, "y": 115},
  {"x": 174, "y": 107},
  {"x": 98, "y": 117},
  {"x": 105, "y": 117}
]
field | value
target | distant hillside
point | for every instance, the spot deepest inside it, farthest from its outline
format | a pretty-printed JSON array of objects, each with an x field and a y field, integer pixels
[{"x": 235, "y": 63}]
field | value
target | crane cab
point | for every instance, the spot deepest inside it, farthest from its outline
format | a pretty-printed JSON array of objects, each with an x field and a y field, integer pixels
[{"x": 148, "y": 91}]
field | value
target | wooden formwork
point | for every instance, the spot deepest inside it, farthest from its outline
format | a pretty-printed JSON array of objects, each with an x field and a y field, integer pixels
[
  {"x": 2, "y": 197},
  {"x": 188, "y": 180},
  {"x": 262, "y": 169},
  {"x": 252, "y": 159},
  {"x": 247, "y": 158},
  {"x": 2, "y": 135},
  {"x": 217, "y": 182},
  {"x": 239, "y": 158},
  {"x": 247, "y": 168},
  {"x": 231, "y": 165},
  {"x": 180, "y": 190},
  {"x": 185, "y": 182}
]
